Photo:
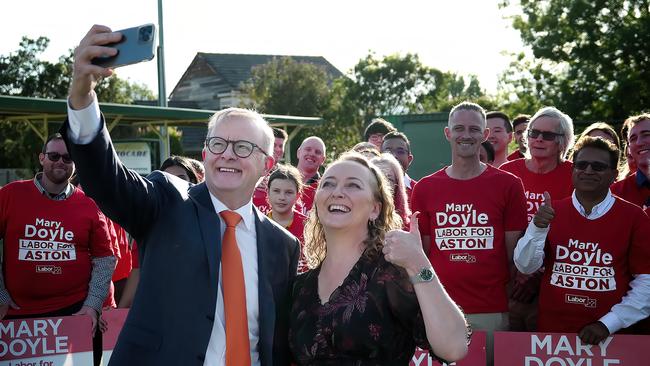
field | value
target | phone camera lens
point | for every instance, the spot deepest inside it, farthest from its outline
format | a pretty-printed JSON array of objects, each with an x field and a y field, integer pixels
[{"x": 145, "y": 33}]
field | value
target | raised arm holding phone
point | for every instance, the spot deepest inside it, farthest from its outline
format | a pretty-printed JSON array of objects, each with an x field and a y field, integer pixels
[{"x": 207, "y": 294}]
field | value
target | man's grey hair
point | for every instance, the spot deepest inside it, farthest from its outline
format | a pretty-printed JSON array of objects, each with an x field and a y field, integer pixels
[
  {"x": 268, "y": 139},
  {"x": 468, "y": 106},
  {"x": 565, "y": 128}
]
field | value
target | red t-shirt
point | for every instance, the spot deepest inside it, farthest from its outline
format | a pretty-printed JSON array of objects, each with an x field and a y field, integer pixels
[
  {"x": 409, "y": 191},
  {"x": 557, "y": 183},
  {"x": 306, "y": 199},
  {"x": 467, "y": 221},
  {"x": 260, "y": 200},
  {"x": 590, "y": 263},
  {"x": 297, "y": 227},
  {"x": 628, "y": 190},
  {"x": 515, "y": 155},
  {"x": 48, "y": 247},
  {"x": 123, "y": 267},
  {"x": 135, "y": 258}
]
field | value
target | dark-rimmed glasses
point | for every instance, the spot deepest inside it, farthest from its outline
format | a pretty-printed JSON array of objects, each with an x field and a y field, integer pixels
[
  {"x": 241, "y": 148},
  {"x": 546, "y": 135},
  {"x": 596, "y": 166},
  {"x": 55, "y": 156}
]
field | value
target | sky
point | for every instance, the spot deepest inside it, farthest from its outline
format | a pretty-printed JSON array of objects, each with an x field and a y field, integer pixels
[{"x": 463, "y": 36}]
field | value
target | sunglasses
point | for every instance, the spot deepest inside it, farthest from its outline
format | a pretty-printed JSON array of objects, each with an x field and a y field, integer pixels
[
  {"x": 55, "y": 156},
  {"x": 546, "y": 135},
  {"x": 595, "y": 165}
]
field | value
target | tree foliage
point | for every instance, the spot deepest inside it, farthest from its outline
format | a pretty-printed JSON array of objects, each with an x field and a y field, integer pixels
[
  {"x": 23, "y": 73},
  {"x": 590, "y": 57},
  {"x": 394, "y": 84},
  {"x": 400, "y": 84},
  {"x": 284, "y": 86}
]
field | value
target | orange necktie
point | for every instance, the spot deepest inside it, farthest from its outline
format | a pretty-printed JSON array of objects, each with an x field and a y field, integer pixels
[{"x": 234, "y": 295}]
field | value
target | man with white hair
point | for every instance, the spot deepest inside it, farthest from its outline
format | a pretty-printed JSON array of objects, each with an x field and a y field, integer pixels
[
  {"x": 550, "y": 136},
  {"x": 216, "y": 274}
]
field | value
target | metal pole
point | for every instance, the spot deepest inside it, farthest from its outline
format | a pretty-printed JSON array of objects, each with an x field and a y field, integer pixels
[{"x": 162, "y": 94}]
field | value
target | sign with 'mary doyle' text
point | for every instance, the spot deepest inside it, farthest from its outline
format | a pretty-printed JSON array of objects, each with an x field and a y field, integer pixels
[
  {"x": 60, "y": 341},
  {"x": 566, "y": 349}
]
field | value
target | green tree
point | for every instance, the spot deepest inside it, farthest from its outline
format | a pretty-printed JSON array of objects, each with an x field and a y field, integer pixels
[
  {"x": 397, "y": 84},
  {"x": 23, "y": 73},
  {"x": 590, "y": 57},
  {"x": 284, "y": 86}
]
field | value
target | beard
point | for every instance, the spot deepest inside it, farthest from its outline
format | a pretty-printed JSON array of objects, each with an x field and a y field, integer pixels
[{"x": 58, "y": 176}]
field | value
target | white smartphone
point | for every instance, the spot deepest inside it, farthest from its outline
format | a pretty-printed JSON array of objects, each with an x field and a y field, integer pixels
[{"x": 137, "y": 44}]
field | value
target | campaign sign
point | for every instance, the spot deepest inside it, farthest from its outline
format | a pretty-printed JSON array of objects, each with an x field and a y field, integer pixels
[
  {"x": 475, "y": 354},
  {"x": 114, "y": 322},
  {"x": 57, "y": 341},
  {"x": 566, "y": 349}
]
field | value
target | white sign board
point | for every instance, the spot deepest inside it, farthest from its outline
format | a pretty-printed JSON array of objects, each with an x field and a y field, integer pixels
[{"x": 135, "y": 155}]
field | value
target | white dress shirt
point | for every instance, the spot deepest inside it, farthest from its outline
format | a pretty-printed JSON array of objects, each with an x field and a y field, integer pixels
[
  {"x": 635, "y": 305},
  {"x": 84, "y": 132}
]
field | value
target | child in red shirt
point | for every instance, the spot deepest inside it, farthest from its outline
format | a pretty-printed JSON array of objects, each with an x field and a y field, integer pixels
[{"x": 284, "y": 188}]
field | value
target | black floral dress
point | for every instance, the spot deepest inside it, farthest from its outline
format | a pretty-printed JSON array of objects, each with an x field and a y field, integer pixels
[{"x": 373, "y": 318}]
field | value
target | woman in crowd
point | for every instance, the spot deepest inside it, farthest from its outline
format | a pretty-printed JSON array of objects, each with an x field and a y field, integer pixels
[
  {"x": 284, "y": 188},
  {"x": 392, "y": 171},
  {"x": 360, "y": 302},
  {"x": 180, "y": 167}
]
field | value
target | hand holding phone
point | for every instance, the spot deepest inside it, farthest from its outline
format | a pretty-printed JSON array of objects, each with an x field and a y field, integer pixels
[{"x": 137, "y": 45}]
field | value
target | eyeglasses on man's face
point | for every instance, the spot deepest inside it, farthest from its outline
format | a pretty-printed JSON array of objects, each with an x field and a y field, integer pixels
[
  {"x": 546, "y": 135},
  {"x": 55, "y": 156},
  {"x": 241, "y": 148},
  {"x": 596, "y": 166}
]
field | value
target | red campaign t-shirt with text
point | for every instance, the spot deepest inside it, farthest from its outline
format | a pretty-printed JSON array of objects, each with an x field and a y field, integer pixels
[
  {"x": 558, "y": 183},
  {"x": 48, "y": 247},
  {"x": 589, "y": 264},
  {"x": 467, "y": 221}
]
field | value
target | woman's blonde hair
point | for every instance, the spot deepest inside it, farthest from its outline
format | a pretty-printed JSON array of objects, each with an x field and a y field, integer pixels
[{"x": 388, "y": 219}]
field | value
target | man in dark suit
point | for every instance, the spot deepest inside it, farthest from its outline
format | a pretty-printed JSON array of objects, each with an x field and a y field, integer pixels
[{"x": 178, "y": 315}]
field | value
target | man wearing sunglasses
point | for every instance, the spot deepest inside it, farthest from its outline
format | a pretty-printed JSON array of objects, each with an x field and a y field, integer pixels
[
  {"x": 549, "y": 137},
  {"x": 57, "y": 249},
  {"x": 216, "y": 274},
  {"x": 595, "y": 248}
]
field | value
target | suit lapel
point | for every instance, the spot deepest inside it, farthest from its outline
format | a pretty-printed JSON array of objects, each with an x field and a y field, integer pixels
[
  {"x": 210, "y": 230},
  {"x": 267, "y": 244}
]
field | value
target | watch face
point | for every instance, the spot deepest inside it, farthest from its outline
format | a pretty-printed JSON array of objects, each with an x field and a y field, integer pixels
[{"x": 426, "y": 274}]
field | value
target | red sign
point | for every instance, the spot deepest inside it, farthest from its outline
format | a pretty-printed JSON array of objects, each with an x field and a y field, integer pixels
[
  {"x": 475, "y": 354},
  {"x": 114, "y": 322},
  {"x": 46, "y": 341},
  {"x": 566, "y": 349}
]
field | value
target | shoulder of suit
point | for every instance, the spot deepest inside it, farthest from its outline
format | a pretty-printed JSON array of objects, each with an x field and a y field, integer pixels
[{"x": 170, "y": 183}]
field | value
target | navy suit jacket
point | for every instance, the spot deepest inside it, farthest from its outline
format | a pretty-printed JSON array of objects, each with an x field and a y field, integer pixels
[{"x": 178, "y": 235}]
